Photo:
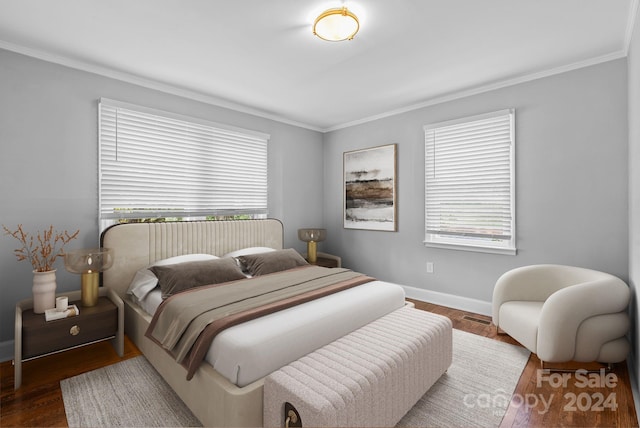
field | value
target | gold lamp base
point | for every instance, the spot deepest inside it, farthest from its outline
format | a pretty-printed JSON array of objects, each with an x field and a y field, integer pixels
[
  {"x": 89, "y": 288},
  {"x": 312, "y": 252}
]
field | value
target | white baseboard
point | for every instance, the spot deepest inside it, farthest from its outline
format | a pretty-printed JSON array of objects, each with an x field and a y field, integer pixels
[
  {"x": 449, "y": 300},
  {"x": 6, "y": 350}
]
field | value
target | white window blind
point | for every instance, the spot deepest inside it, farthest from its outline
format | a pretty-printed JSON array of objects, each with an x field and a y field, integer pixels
[
  {"x": 469, "y": 183},
  {"x": 156, "y": 164}
]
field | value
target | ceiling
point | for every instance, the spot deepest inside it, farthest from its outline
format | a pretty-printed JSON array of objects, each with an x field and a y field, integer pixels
[{"x": 260, "y": 56}]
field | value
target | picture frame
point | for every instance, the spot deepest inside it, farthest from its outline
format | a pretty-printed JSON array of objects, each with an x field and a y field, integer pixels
[{"x": 370, "y": 188}]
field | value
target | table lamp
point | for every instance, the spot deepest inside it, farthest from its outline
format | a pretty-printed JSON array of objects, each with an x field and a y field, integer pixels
[
  {"x": 312, "y": 237},
  {"x": 89, "y": 263}
]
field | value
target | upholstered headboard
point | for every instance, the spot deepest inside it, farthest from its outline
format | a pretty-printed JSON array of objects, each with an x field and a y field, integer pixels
[{"x": 136, "y": 245}]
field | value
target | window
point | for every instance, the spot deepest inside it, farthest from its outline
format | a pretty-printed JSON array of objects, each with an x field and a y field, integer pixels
[
  {"x": 158, "y": 165},
  {"x": 469, "y": 183}
]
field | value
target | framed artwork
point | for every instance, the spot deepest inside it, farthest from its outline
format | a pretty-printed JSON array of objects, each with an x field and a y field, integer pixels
[{"x": 370, "y": 200}]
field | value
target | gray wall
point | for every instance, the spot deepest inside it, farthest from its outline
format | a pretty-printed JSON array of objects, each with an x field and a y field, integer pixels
[
  {"x": 571, "y": 184},
  {"x": 49, "y": 159},
  {"x": 572, "y": 174},
  {"x": 634, "y": 196}
]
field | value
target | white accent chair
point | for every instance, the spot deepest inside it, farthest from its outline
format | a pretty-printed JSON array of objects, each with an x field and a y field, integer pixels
[{"x": 564, "y": 313}]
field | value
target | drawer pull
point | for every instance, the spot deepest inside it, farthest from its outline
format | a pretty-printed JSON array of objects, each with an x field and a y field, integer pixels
[{"x": 75, "y": 330}]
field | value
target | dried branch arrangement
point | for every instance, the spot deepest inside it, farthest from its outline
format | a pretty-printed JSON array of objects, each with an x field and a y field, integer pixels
[{"x": 43, "y": 250}]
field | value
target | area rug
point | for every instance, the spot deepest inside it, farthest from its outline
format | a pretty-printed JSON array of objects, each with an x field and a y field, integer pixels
[
  {"x": 475, "y": 391},
  {"x": 477, "y": 388},
  {"x": 130, "y": 393}
]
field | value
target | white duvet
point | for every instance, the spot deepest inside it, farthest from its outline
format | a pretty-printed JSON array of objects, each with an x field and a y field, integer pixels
[{"x": 249, "y": 351}]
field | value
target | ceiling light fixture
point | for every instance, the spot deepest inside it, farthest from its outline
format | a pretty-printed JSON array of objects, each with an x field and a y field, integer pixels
[{"x": 335, "y": 25}]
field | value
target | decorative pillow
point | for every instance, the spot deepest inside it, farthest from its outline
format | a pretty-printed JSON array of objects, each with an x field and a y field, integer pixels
[
  {"x": 144, "y": 280},
  {"x": 183, "y": 276},
  {"x": 275, "y": 261},
  {"x": 249, "y": 250}
]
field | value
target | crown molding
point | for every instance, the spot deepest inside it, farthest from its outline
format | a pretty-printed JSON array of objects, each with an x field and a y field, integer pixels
[
  {"x": 149, "y": 83},
  {"x": 220, "y": 102},
  {"x": 484, "y": 88}
]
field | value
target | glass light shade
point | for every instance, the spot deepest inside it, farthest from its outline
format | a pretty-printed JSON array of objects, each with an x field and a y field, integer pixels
[
  {"x": 312, "y": 235},
  {"x": 88, "y": 260},
  {"x": 89, "y": 263},
  {"x": 336, "y": 24}
]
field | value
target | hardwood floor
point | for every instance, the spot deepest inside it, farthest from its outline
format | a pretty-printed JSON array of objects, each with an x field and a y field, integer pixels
[{"x": 39, "y": 401}]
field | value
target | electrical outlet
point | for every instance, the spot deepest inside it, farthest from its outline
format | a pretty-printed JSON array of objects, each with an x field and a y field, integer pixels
[{"x": 429, "y": 267}]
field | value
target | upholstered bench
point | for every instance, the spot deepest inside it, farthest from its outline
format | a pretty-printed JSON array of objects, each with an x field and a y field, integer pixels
[{"x": 370, "y": 377}]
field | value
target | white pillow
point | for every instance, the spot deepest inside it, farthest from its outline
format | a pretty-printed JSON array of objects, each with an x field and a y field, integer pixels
[
  {"x": 248, "y": 250},
  {"x": 144, "y": 280}
]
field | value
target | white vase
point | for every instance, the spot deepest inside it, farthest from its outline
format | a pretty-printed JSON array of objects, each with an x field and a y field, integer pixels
[{"x": 44, "y": 291}]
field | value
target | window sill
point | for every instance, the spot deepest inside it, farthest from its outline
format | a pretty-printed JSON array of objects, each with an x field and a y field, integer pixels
[{"x": 474, "y": 248}]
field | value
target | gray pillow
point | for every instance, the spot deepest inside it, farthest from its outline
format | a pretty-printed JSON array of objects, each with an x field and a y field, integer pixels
[
  {"x": 183, "y": 276},
  {"x": 274, "y": 261}
]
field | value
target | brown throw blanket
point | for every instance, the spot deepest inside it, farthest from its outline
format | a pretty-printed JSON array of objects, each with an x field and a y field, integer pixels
[{"x": 185, "y": 324}]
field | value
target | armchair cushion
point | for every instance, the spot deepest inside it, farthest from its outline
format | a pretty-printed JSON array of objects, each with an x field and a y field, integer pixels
[{"x": 520, "y": 321}]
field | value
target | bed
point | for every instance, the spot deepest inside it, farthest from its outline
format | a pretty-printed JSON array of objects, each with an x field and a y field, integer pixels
[{"x": 225, "y": 391}]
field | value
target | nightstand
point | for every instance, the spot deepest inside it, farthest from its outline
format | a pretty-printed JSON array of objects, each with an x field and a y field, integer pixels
[
  {"x": 328, "y": 260},
  {"x": 35, "y": 337}
]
